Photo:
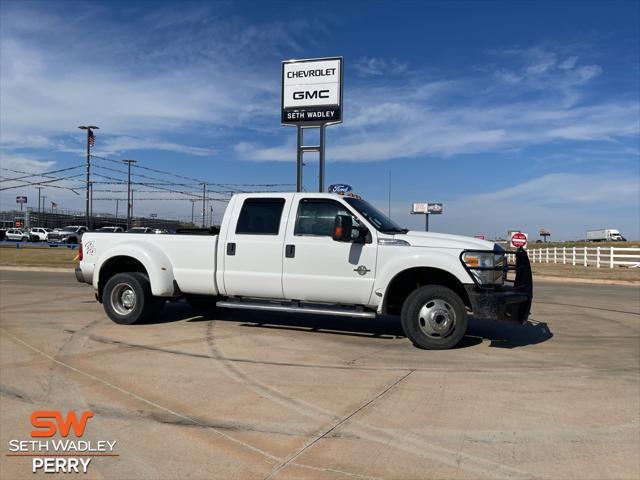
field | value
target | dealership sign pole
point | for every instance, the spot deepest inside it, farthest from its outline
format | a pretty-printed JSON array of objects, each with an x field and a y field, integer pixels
[
  {"x": 311, "y": 98},
  {"x": 21, "y": 200},
  {"x": 426, "y": 209}
]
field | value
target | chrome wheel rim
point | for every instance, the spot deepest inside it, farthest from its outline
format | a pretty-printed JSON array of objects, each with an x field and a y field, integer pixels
[
  {"x": 123, "y": 298},
  {"x": 437, "y": 318}
]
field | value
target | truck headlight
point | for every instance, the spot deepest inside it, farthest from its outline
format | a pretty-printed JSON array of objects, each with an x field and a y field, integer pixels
[{"x": 487, "y": 268}]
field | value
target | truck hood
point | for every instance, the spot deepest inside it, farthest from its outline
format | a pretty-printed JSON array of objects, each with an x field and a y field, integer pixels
[{"x": 444, "y": 240}]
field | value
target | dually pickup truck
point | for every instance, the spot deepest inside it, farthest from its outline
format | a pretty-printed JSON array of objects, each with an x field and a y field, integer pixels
[{"x": 312, "y": 253}]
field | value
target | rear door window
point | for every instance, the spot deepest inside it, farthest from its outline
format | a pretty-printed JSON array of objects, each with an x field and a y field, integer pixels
[{"x": 260, "y": 216}]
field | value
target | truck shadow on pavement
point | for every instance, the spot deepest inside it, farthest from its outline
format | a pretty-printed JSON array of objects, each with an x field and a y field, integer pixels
[
  {"x": 508, "y": 334},
  {"x": 499, "y": 334}
]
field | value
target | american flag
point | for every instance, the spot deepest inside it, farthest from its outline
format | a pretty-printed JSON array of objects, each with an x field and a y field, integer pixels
[
  {"x": 54, "y": 205},
  {"x": 92, "y": 138}
]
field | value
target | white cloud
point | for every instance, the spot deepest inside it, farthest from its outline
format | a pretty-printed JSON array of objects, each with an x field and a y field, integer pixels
[
  {"x": 254, "y": 151},
  {"x": 586, "y": 73},
  {"x": 566, "y": 204},
  {"x": 373, "y": 66},
  {"x": 508, "y": 76},
  {"x": 403, "y": 129},
  {"x": 207, "y": 76},
  {"x": 542, "y": 63},
  {"x": 537, "y": 99},
  {"x": 212, "y": 78},
  {"x": 23, "y": 163},
  {"x": 538, "y": 69},
  {"x": 570, "y": 189},
  {"x": 117, "y": 145},
  {"x": 568, "y": 63}
]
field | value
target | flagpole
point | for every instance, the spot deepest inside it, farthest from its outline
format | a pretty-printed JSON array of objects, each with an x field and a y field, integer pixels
[
  {"x": 88, "y": 202},
  {"x": 89, "y": 135}
]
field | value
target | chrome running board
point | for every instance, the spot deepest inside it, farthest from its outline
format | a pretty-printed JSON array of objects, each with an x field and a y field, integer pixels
[{"x": 293, "y": 308}]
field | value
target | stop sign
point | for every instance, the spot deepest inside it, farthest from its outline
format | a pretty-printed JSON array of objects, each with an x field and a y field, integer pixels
[{"x": 519, "y": 240}]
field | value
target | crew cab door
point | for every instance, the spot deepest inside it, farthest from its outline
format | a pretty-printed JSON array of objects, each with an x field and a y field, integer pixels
[
  {"x": 253, "y": 248},
  {"x": 317, "y": 268}
]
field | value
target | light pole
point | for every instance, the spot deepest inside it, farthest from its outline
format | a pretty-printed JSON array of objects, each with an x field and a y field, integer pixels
[
  {"x": 39, "y": 192},
  {"x": 204, "y": 203},
  {"x": 89, "y": 129},
  {"x": 193, "y": 202},
  {"x": 91, "y": 200},
  {"x": 129, "y": 193}
]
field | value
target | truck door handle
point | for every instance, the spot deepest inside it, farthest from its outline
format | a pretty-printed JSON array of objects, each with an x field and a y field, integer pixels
[
  {"x": 231, "y": 248},
  {"x": 290, "y": 251}
]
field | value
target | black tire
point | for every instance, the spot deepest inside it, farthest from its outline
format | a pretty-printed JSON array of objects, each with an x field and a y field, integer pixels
[
  {"x": 127, "y": 299},
  {"x": 72, "y": 240},
  {"x": 24, "y": 239},
  {"x": 204, "y": 305},
  {"x": 433, "y": 317}
]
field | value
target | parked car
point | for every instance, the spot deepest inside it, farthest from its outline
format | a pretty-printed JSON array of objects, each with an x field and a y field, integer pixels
[
  {"x": 3, "y": 233},
  {"x": 111, "y": 229},
  {"x": 69, "y": 234},
  {"x": 40, "y": 234},
  {"x": 312, "y": 253},
  {"x": 140, "y": 230},
  {"x": 161, "y": 231},
  {"x": 17, "y": 235}
]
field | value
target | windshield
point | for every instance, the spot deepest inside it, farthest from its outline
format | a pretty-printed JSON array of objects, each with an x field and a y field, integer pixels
[{"x": 378, "y": 219}]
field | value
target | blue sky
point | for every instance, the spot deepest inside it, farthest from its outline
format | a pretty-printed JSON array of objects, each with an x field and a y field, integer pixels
[{"x": 513, "y": 114}]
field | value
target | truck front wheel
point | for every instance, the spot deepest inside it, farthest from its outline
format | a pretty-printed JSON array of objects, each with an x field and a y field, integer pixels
[
  {"x": 433, "y": 317},
  {"x": 127, "y": 299}
]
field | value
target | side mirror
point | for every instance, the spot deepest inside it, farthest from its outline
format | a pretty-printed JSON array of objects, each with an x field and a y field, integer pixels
[
  {"x": 342, "y": 226},
  {"x": 363, "y": 235}
]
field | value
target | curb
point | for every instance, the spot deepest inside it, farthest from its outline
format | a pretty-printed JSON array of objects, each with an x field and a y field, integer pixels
[
  {"x": 593, "y": 281},
  {"x": 8, "y": 268}
]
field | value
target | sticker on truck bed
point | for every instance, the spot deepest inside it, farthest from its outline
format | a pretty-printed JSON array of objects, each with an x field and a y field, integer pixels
[{"x": 90, "y": 247}]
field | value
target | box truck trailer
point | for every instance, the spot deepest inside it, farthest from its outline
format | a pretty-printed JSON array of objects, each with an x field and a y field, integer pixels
[{"x": 605, "y": 235}]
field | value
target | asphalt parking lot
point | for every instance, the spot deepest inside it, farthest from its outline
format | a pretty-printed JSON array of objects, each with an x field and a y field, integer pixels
[{"x": 247, "y": 395}]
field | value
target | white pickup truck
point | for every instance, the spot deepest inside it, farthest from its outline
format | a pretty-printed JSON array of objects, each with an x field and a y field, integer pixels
[{"x": 311, "y": 253}]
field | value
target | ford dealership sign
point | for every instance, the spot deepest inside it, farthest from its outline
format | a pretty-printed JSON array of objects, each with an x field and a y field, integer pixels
[{"x": 340, "y": 188}]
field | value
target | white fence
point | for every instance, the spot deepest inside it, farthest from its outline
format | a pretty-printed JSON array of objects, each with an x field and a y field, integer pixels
[{"x": 599, "y": 257}]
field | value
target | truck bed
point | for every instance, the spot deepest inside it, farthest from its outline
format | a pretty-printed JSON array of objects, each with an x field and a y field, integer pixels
[{"x": 192, "y": 258}]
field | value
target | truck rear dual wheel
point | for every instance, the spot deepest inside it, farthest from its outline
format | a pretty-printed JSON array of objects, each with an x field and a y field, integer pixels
[
  {"x": 127, "y": 299},
  {"x": 433, "y": 317}
]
